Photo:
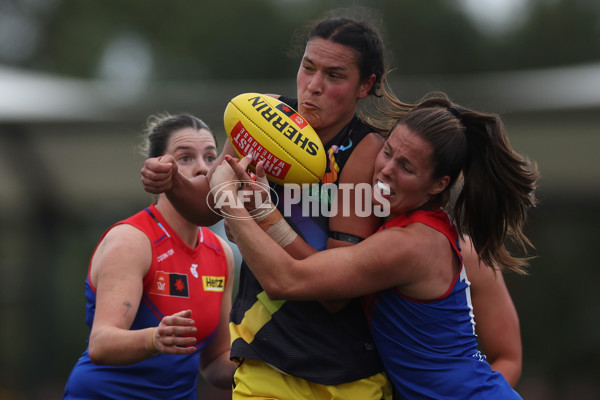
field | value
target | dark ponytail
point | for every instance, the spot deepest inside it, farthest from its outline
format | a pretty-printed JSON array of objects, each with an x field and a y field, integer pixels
[
  {"x": 498, "y": 190},
  {"x": 498, "y": 183}
]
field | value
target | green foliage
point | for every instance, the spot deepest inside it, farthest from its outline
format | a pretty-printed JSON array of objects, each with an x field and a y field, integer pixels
[{"x": 195, "y": 40}]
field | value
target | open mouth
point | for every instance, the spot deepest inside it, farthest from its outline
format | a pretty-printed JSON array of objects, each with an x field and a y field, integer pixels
[{"x": 384, "y": 188}]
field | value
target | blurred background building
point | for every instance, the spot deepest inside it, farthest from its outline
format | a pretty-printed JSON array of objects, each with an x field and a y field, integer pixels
[{"x": 78, "y": 80}]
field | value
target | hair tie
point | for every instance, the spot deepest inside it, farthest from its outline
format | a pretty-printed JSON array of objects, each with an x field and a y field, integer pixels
[{"x": 455, "y": 112}]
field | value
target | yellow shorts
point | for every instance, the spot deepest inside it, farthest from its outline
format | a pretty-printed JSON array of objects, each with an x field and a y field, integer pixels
[{"x": 258, "y": 381}]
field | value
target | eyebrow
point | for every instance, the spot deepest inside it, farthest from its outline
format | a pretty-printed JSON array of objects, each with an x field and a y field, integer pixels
[
  {"x": 211, "y": 147},
  {"x": 400, "y": 160},
  {"x": 328, "y": 68}
]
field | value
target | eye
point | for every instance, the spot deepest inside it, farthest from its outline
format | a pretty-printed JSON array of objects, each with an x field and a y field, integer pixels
[
  {"x": 210, "y": 159},
  {"x": 406, "y": 167},
  {"x": 307, "y": 67},
  {"x": 185, "y": 158}
]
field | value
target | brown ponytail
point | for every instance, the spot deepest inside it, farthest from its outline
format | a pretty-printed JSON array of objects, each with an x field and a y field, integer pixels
[{"x": 499, "y": 183}]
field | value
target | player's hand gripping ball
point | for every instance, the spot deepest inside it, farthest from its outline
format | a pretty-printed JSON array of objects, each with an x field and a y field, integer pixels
[{"x": 271, "y": 131}]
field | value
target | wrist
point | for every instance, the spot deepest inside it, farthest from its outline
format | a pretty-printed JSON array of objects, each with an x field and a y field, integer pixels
[
  {"x": 226, "y": 199},
  {"x": 151, "y": 342},
  {"x": 277, "y": 228},
  {"x": 266, "y": 214}
]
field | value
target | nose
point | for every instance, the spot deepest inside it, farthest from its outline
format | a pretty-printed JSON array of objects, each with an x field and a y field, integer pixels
[
  {"x": 201, "y": 168},
  {"x": 316, "y": 84},
  {"x": 387, "y": 169}
]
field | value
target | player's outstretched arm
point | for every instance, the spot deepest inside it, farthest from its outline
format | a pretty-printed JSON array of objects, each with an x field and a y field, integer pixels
[{"x": 190, "y": 196}]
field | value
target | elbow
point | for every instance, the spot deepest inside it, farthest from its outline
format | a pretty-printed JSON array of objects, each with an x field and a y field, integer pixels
[
  {"x": 99, "y": 348},
  {"x": 276, "y": 288},
  {"x": 514, "y": 376},
  {"x": 274, "y": 292},
  {"x": 201, "y": 216},
  {"x": 283, "y": 283},
  {"x": 96, "y": 354},
  {"x": 509, "y": 367},
  {"x": 208, "y": 219}
]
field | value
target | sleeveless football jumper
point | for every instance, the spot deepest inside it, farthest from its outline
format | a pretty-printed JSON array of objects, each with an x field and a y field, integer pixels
[
  {"x": 429, "y": 348},
  {"x": 179, "y": 278},
  {"x": 302, "y": 338}
]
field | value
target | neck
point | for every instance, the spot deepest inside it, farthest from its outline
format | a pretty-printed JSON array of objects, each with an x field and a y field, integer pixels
[
  {"x": 187, "y": 231},
  {"x": 327, "y": 134}
]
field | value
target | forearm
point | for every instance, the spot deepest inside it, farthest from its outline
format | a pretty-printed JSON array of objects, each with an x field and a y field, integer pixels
[
  {"x": 191, "y": 198},
  {"x": 299, "y": 249},
  {"x": 219, "y": 372},
  {"x": 265, "y": 257},
  {"x": 113, "y": 346}
]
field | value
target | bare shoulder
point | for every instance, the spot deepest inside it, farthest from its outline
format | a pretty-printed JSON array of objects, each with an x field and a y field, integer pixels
[
  {"x": 123, "y": 248},
  {"x": 123, "y": 237},
  {"x": 408, "y": 258},
  {"x": 361, "y": 161},
  {"x": 226, "y": 249},
  {"x": 358, "y": 170},
  {"x": 478, "y": 272},
  {"x": 425, "y": 263}
]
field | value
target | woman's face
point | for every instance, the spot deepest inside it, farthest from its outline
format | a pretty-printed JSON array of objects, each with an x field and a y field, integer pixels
[
  {"x": 195, "y": 151},
  {"x": 329, "y": 87},
  {"x": 404, "y": 172}
]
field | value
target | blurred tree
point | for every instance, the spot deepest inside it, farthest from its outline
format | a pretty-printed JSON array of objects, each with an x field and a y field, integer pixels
[
  {"x": 244, "y": 40},
  {"x": 188, "y": 40},
  {"x": 430, "y": 37},
  {"x": 556, "y": 33},
  {"x": 241, "y": 39}
]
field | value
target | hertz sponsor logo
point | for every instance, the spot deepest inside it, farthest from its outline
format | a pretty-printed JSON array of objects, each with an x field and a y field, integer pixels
[{"x": 213, "y": 283}]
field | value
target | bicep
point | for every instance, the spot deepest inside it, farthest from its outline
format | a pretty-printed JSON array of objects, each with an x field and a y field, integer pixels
[
  {"x": 347, "y": 272},
  {"x": 120, "y": 266},
  {"x": 190, "y": 196},
  {"x": 497, "y": 321},
  {"x": 355, "y": 214}
]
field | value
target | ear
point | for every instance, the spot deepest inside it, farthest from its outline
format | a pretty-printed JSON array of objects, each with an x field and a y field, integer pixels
[
  {"x": 366, "y": 86},
  {"x": 440, "y": 185}
]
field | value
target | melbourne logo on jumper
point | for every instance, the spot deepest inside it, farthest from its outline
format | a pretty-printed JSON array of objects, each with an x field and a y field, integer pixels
[
  {"x": 193, "y": 270},
  {"x": 170, "y": 284},
  {"x": 213, "y": 283}
]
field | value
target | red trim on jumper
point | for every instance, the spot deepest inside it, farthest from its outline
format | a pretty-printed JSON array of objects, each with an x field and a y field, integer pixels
[
  {"x": 440, "y": 221},
  {"x": 437, "y": 298}
]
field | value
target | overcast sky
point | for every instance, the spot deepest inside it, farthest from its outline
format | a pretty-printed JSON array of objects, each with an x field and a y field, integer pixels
[{"x": 495, "y": 15}]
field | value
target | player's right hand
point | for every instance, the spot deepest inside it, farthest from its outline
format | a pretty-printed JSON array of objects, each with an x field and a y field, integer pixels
[
  {"x": 175, "y": 334},
  {"x": 158, "y": 174}
]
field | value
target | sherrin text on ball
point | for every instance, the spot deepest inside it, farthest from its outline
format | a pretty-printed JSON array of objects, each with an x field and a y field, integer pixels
[{"x": 273, "y": 132}]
